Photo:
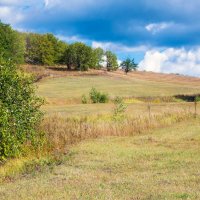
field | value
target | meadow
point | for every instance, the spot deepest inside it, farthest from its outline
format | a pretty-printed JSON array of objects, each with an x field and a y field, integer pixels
[
  {"x": 151, "y": 152},
  {"x": 63, "y": 94},
  {"x": 159, "y": 164},
  {"x": 71, "y": 88}
]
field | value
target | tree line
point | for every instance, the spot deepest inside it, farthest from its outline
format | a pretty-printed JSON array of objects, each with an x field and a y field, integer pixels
[{"x": 46, "y": 49}]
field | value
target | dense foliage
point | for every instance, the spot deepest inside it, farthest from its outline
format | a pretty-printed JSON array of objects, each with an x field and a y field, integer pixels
[
  {"x": 19, "y": 110},
  {"x": 46, "y": 49},
  {"x": 12, "y": 45},
  {"x": 82, "y": 57},
  {"x": 78, "y": 56}
]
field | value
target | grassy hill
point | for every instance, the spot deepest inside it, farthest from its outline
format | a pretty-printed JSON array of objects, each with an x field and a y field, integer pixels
[
  {"x": 72, "y": 87},
  {"x": 63, "y": 92}
]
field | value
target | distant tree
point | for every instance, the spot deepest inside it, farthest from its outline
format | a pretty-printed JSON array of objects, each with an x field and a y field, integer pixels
[
  {"x": 44, "y": 49},
  {"x": 129, "y": 65},
  {"x": 84, "y": 55},
  {"x": 111, "y": 60},
  {"x": 78, "y": 56},
  {"x": 97, "y": 58},
  {"x": 70, "y": 57},
  {"x": 47, "y": 49},
  {"x": 33, "y": 52},
  {"x": 12, "y": 44},
  {"x": 60, "y": 49}
]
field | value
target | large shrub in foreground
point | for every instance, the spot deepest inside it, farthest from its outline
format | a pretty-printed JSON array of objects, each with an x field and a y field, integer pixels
[{"x": 19, "y": 110}]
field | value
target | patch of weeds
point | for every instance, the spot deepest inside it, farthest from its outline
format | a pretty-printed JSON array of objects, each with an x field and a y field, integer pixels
[
  {"x": 183, "y": 196},
  {"x": 119, "y": 109},
  {"x": 13, "y": 169}
]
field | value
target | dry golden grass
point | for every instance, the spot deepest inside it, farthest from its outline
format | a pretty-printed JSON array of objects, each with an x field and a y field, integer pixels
[
  {"x": 42, "y": 72},
  {"x": 61, "y": 132},
  {"x": 158, "y": 77},
  {"x": 133, "y": 108},
  {"x": 159, "y": 164},
  {"x": 60, "y": 71}
]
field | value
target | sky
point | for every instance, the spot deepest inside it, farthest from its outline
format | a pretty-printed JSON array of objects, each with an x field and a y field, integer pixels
[{"x": 161, "y": 35}]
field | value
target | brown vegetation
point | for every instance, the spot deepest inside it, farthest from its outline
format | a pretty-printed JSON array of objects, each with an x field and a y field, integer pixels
[
  {"x": 62, "y": 131},
  {"x": 158, "y": 77},
  {"x": 41, "y": 72}
]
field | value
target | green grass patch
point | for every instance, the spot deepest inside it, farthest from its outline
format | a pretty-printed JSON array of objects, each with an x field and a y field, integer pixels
[
  {"x": 74, "y": 87},
  {"x": 161, "y": 164}
]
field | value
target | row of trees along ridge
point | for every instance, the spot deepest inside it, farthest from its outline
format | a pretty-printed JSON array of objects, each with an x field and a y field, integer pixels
[{"x": 46, "y": 49}]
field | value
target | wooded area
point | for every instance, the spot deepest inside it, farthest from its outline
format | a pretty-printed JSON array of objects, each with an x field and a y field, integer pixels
[{"x": 46, "y": 49}]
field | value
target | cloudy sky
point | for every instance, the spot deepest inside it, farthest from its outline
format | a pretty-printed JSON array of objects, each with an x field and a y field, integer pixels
[{"x": 162, "y": 35}]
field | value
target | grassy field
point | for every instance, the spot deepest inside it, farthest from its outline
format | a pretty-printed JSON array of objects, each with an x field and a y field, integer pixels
[
  {"x": 133, "y": 109},
  {"x": 158, "y": 157},
  {"x": 73, "y": 87},
  {"x": 161, "y": 164},
  {"x": 63, "y": 94}
]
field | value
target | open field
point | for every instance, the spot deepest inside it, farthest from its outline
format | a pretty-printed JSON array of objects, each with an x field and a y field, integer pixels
[
  {"x": 63, "y": 94},
  {"x": 69, "y": 89},
  {"x": 133, "y": 109},
  {"x": 161, "y": 164},
  {"x": 148, "y": 154}
]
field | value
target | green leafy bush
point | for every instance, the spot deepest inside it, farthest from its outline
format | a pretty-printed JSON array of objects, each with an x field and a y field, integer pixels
[
  {"x": 19, "y": 111},
  {"x": 98, "y": 97}
]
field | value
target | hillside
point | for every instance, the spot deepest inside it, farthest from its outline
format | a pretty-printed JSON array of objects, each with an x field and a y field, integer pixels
[
  {"x": 68, "y": 85},
  {"x": 63, "y": 90}
]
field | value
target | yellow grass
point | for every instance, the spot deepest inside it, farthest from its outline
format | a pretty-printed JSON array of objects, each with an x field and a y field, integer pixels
[
  {"x": 161, "y": 164},
  {"x": 72, "y": 88}
]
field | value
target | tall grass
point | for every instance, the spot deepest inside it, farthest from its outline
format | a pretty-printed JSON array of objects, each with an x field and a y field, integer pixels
[{"x": 61, "y": 132}]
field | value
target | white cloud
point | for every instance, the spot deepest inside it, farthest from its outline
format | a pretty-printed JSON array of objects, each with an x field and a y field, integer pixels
[
  {"x": 157, "y": 27},
  {"x": 71, "y": 39},
  {"x": 172, "y": 60},
  {"x": 12, "y": 2},
  {"x": 118, "y": 47},
  {"x": 10, "y": 15},
  {"x": 46, "y": 3},
  {"x": 74, "y": 5}
]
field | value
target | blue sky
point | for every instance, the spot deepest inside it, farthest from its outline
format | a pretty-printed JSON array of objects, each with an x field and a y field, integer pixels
[{"x": 162, "y": 35}]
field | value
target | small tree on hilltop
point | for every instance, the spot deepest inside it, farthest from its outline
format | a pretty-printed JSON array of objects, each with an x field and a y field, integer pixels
[
  {"x": 129, "y": 65},
  {"x": 20, "y": 112}
]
